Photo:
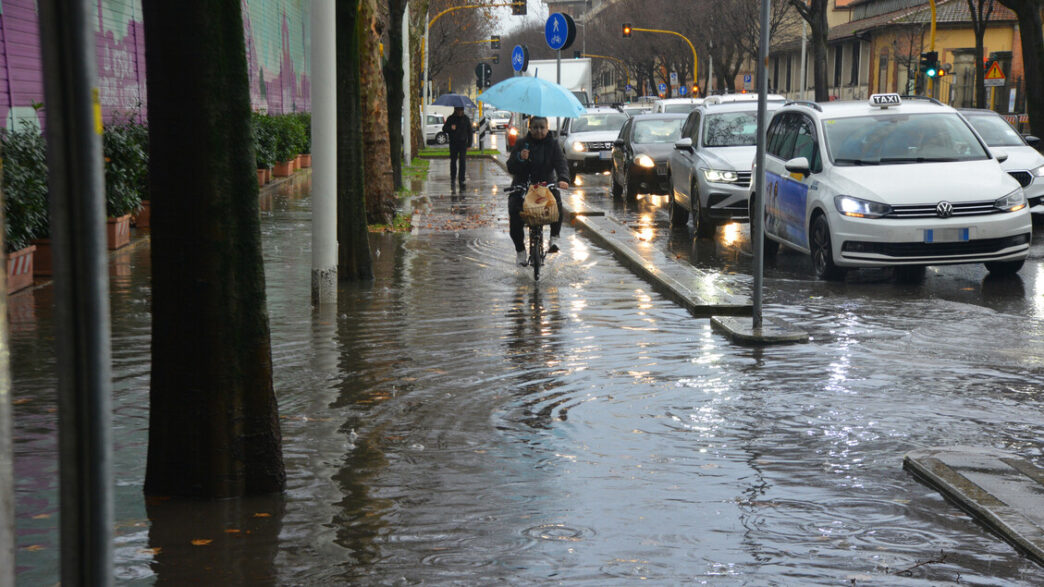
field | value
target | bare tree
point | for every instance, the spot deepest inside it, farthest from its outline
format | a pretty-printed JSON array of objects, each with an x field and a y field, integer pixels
[
  {"x": 380, "y": 187},
  {"x": 980, "y": 11},
  {"x": 1028, "y": 12},
  {"x": 815, "y": 13}
]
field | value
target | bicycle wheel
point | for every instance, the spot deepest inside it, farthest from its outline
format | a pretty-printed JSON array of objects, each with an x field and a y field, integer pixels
[{"x": 536, "y": 249}]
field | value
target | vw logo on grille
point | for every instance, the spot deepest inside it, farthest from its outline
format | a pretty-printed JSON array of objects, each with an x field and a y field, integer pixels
[{"x": 944, "y": 209}]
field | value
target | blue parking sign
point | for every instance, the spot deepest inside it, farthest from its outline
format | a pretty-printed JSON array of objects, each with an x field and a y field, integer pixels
[{"x": 662, "y": 87}]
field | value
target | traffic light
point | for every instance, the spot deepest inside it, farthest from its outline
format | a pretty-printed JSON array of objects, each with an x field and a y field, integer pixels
[
  {"x": 496, "y": 58},
  {"x": 494, "y": 42},
  {"x": 695, "y": 90},
  {"x": 577, "y": 54},
  {"x": 930, "y": 63},
  {"x": 519, "y": 7},
  {"x": 626, "y": 29}
]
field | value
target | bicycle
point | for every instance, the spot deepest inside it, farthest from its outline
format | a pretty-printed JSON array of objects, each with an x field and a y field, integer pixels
[{"x": 537, "y": 253}]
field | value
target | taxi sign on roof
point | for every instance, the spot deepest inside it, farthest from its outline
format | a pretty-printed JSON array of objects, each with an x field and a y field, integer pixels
[{"x": 885, "y": 100}]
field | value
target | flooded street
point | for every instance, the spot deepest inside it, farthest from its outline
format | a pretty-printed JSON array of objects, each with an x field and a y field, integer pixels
[{"x": 455, "y": 422}]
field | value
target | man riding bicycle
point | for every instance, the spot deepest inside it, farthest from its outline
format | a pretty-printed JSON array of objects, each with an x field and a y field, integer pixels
[{"x": 536, "y": 158}]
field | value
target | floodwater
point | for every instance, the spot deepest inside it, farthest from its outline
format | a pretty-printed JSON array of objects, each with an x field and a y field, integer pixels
[{"x": 456, "y": 423}]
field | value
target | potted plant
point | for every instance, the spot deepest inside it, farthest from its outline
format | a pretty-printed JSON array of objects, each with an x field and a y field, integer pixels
[
  {"x": 285, "y": 145},
  {"x": 25, "y": 203},
  {"x": 126, "y": 169},
  {"x": 264, "y": 146},
  {"x": 304, "y": 121}
]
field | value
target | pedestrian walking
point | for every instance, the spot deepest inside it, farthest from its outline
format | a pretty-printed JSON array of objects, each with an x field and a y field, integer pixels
[{"x": 458, "y": 129}]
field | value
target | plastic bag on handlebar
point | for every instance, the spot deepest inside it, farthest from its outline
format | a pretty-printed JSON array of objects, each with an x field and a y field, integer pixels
[{"x": 539, "y": 206}]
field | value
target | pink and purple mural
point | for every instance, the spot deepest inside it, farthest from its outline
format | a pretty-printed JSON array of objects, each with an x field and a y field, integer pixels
[{"x": 277, "y": 42}]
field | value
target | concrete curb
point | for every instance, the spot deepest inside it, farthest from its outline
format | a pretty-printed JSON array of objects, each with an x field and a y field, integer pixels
[{"x": 999, "y": 489}]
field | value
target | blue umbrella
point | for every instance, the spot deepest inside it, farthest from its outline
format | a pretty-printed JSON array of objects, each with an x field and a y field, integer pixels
[
  {"x": 455, "y": 100},
  {"x": 535, "y": 96}
]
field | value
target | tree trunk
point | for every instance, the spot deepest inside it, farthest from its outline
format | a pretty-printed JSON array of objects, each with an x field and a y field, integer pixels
[
  {"x": 418, "y": 20},
  {"x": 393, "y": 73},
  {"x": 213, "y": 417},
  {"x": 1028, "y": 12},
  {"x": 980, "y": 71},
  {"x": 353, "y": 253},
  {"x": 819, "y": 55},
  {"x": 380, "y": 189}
]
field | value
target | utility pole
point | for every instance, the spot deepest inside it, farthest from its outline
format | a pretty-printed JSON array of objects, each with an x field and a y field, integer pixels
[{"x": 324, "y": 152}]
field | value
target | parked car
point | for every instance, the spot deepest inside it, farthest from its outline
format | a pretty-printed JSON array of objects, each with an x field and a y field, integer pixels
[
  {"x": 433, "y": 129},
  {"x": 1024, "y": 162},
  {"x": 641, "y": 152},
  {"x": 499, "y": 119},
  {"x": 635, "y": 109},
  {"x": 710, "y": 167},
  {"x": 677, "y": 105},
  {"x": 889, "y": 182},
  {"x": 588, "y": 140}
]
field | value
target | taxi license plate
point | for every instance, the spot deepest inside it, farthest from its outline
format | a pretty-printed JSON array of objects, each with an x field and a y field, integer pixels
[
  {"x": 605, "y": 154},
  {"x": 945, "y": 235}
]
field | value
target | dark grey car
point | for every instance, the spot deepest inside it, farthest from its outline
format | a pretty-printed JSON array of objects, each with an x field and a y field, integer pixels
[{"x": 641, "y": 151}]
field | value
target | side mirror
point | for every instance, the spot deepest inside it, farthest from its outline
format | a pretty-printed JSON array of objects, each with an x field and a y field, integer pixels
[
  {"x": 1001, "y": 157},
  {"x": 683, "y": 144},
  {"x": 1032, "y": 140},
  {"x": 618, "y": 143},
  {"x": 798, "y": 165}
]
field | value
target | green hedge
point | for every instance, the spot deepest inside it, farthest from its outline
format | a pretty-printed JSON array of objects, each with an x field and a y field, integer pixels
[{"x": 24, "y": 153}]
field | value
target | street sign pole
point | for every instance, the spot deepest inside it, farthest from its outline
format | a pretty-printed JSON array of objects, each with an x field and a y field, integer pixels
[{"x": 757, "y": 223}]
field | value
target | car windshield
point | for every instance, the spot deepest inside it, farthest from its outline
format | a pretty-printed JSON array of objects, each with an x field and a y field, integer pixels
[
  {"x": 501, "y": 114},
  {"x": 657, "y": 131},
  {"x": 598, "y": 122},
  {"x": 901, "y": 138},
  {"x": 730, "y": 129},
  {"x": 682, "y": 108},
  {"x": 995, "y": 130}
]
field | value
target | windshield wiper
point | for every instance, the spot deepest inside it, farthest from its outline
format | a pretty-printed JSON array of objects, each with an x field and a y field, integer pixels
[
  {"x": 918, "y": 159},
  {"x": 858, "y": 161}
]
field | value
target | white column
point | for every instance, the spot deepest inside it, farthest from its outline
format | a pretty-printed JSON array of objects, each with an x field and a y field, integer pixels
[
  {"x": 407, "y": 88},
  {"x": 324, "y": 153}
]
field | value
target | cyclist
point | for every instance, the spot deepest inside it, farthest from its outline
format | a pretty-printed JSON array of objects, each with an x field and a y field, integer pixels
[{"x": 536, "y": 158}]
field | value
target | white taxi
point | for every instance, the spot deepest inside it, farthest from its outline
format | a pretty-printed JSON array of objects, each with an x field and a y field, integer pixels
[{"x": 889, "y": 182}]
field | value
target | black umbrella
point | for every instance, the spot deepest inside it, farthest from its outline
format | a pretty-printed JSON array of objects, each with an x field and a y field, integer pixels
[{"x": 454, "y": 100}]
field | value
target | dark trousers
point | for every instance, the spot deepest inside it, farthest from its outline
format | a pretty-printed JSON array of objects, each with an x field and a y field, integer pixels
[
  {"x": 458, "y": 160},
  {"x": 517, "y": 228}
]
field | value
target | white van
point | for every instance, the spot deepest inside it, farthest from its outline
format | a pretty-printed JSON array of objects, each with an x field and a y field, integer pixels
[{"x": 677, "y": 105}]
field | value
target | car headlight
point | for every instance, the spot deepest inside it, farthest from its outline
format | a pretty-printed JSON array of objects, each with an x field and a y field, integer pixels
[
  {"x": 513, "y": 131},
  {"x": 859, "y": 208},
  {"x": 1012, "y": 202},
  {"x": 720, "y": 176},
  {"x": 579, "y": 147},
  {"x": 644, "y": 160}
]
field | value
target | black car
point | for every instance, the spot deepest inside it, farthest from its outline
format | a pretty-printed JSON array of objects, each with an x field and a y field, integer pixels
[{"x": 641, "y": 152}]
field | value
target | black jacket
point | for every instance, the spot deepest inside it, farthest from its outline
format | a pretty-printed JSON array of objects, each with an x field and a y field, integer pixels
[
  {"x": 461, "y": 136},
  {"x": 546, "y": 163}
]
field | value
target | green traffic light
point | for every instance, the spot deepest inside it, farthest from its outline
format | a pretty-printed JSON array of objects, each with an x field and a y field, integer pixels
[{"x": 931, "y": 72}]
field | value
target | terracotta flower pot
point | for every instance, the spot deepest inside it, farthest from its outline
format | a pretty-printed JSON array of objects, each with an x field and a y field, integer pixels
[
  {"x": 118, "y": 232},
  {"x": 20, "y": 269},
  {"x": 268, "y": 174},
  {"x": 260, "y": 177},
  {"x": 283, "y": 169},
  {"x": 306, "y": 160},
  {"x": 43, "y": 262},
  {"x": 142, "y": 217}
]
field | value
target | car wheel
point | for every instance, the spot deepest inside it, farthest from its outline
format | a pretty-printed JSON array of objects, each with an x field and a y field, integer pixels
[
  {"x": 679, "y": 215},
  {"x": 441, "y": 138},
  {"x": 705, "y": 228},
  {"x": 823, "y": 252},
  {"x": 630, "y": 187},
  {"x": 1004, "y": 267},
  {"x": 617, "y": 189}
]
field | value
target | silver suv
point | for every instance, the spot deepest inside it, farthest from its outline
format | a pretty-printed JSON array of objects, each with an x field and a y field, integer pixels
[
  {"x": 588, "y": 140},
  {"x": 711, "y": 164}
]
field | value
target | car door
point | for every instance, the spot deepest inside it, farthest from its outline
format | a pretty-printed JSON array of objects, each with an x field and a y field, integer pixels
[
  {"x": 682, "y": 160},
  {"x": 787, "y": 194}
]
